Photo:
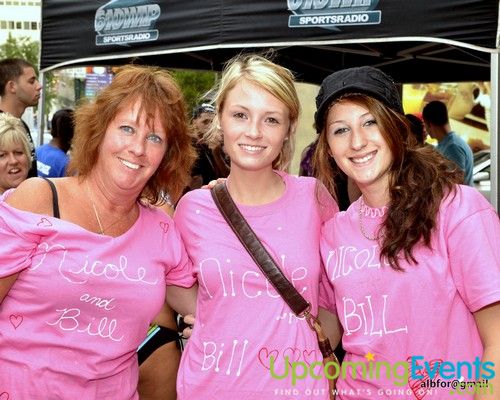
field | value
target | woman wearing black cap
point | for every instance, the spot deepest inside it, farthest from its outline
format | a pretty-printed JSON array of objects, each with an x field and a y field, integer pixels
[{"x": 413, "y": 263}]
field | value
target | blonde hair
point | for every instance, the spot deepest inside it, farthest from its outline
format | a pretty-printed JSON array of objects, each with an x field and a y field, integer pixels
[
  {"x": 275, "y": 79},
  {"x": 12, "y": 131}
]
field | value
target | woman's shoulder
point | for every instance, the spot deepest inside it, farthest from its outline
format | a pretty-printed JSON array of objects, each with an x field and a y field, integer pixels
[
  {"x": 195, "y": 197},
  {"x": 303, "y": 181},
  {"x": 155, "y": 212},
  {"x": 299, "y": 185},
  {"x": 194, "y": 203},
  {"x": 466, "y": 197},
  {"x": 313, "y": 190},
  {"x": 464, "y": 201},
  {"x": 33, "y": 195},
  {"x": 344, "y": 218}
]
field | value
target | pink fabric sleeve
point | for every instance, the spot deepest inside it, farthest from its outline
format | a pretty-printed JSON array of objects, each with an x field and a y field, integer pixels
[
  {"x": 180, "y": 271},
  {"x": 18, "y": 239},
  {"x": 328, "y": 207},
  {"x": 326, "y": 293},
  {"x": 473, "y": 248},
  {"x": 184, "y": 220}
]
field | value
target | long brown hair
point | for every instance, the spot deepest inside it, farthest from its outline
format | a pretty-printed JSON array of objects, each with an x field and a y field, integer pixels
[
  {"x": 419, "y": 180},
  {"x": 157, "y": 91}
]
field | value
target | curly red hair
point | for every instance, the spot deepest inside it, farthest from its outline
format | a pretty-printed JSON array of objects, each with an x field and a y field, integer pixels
[{"x": 157, "y": 91}]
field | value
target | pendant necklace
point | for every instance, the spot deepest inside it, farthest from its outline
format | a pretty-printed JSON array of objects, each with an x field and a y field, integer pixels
[{"x": 91, "y": 194}]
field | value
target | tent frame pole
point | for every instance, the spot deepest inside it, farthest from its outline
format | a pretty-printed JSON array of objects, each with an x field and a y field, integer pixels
[
  {"x": 40, "y": 113},
  {"x": 494, "y": 129}
]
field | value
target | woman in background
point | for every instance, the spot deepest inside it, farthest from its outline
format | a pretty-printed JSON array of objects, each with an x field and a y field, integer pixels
[
  {"x": 15, "y": 153},
  {"x": 52, "y": 158}
]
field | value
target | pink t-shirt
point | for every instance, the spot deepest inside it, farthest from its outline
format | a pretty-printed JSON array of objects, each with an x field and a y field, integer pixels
[
  {"x": 241, "y": 321},
  {"x": 71, "y": 323},
  {"x": 425, "y": 311}
]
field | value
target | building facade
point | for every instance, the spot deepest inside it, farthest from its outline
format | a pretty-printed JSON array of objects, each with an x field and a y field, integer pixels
[{"x": 20, "y": 18}]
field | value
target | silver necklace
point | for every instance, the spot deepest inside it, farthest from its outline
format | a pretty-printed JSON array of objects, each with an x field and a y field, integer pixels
[
  {"x": 91, "y": 194},
  {"x": 362, "y": 228}
]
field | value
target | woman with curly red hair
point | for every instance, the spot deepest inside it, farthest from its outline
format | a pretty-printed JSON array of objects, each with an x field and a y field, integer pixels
[{"x": 85, "y": 259}]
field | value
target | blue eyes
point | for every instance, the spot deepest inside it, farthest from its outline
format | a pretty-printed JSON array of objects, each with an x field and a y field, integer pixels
[
  {"x": 127, "y": 129},
  {"x": 152, "y": 137},
  {"x": 155, "y": 138}
]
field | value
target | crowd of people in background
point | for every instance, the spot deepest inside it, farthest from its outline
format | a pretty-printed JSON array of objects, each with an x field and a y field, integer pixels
[
  {"x": 211, "y": 162},
  {"x": 15, "y": 152},
  {"x": 52, "y": 157},
  {"x": 20, "y": 89},
  {"x": 381, "y": 233}
]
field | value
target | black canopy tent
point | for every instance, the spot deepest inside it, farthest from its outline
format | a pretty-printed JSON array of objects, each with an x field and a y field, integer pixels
[{"x": 413, "y": 41}]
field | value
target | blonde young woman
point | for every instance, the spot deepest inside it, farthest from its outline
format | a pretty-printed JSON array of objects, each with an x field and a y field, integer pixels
[
  {"x": 242, "y": 324},
  {"x": 15, "y": 153}
]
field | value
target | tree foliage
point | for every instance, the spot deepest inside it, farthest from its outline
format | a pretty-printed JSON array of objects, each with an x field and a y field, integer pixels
[
  {"x": 195, "y": 85},
  {"x": 24, "y": 47}
]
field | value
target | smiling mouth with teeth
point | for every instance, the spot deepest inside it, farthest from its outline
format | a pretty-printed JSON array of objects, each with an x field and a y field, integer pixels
[
  {"x": 252, "y": 148},
  {"x": 129, "y": 164},
  {"x": 361, "y": 160}
]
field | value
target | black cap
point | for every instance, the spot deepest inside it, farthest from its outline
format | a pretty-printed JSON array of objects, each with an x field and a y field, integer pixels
[{"x": 365, "y": 80}]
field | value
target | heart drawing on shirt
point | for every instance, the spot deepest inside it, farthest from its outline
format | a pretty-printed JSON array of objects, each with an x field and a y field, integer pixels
[
  {"x": 293, "y": 354},
  {"x": 45, "y": 250},
  {"x": 265, "y": 357},
  {"x": 15, "y": 320},
  {"x": 44, "y": 222},
  {"x": 164, "y": 226},
  {"x": 419, "y": 386},
  {"x": 4, "y": 396},
  {"x": 311, "y": 356}
]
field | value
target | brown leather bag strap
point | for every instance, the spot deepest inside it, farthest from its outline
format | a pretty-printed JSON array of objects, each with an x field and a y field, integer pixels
[{"x": 257, "y": 251}]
